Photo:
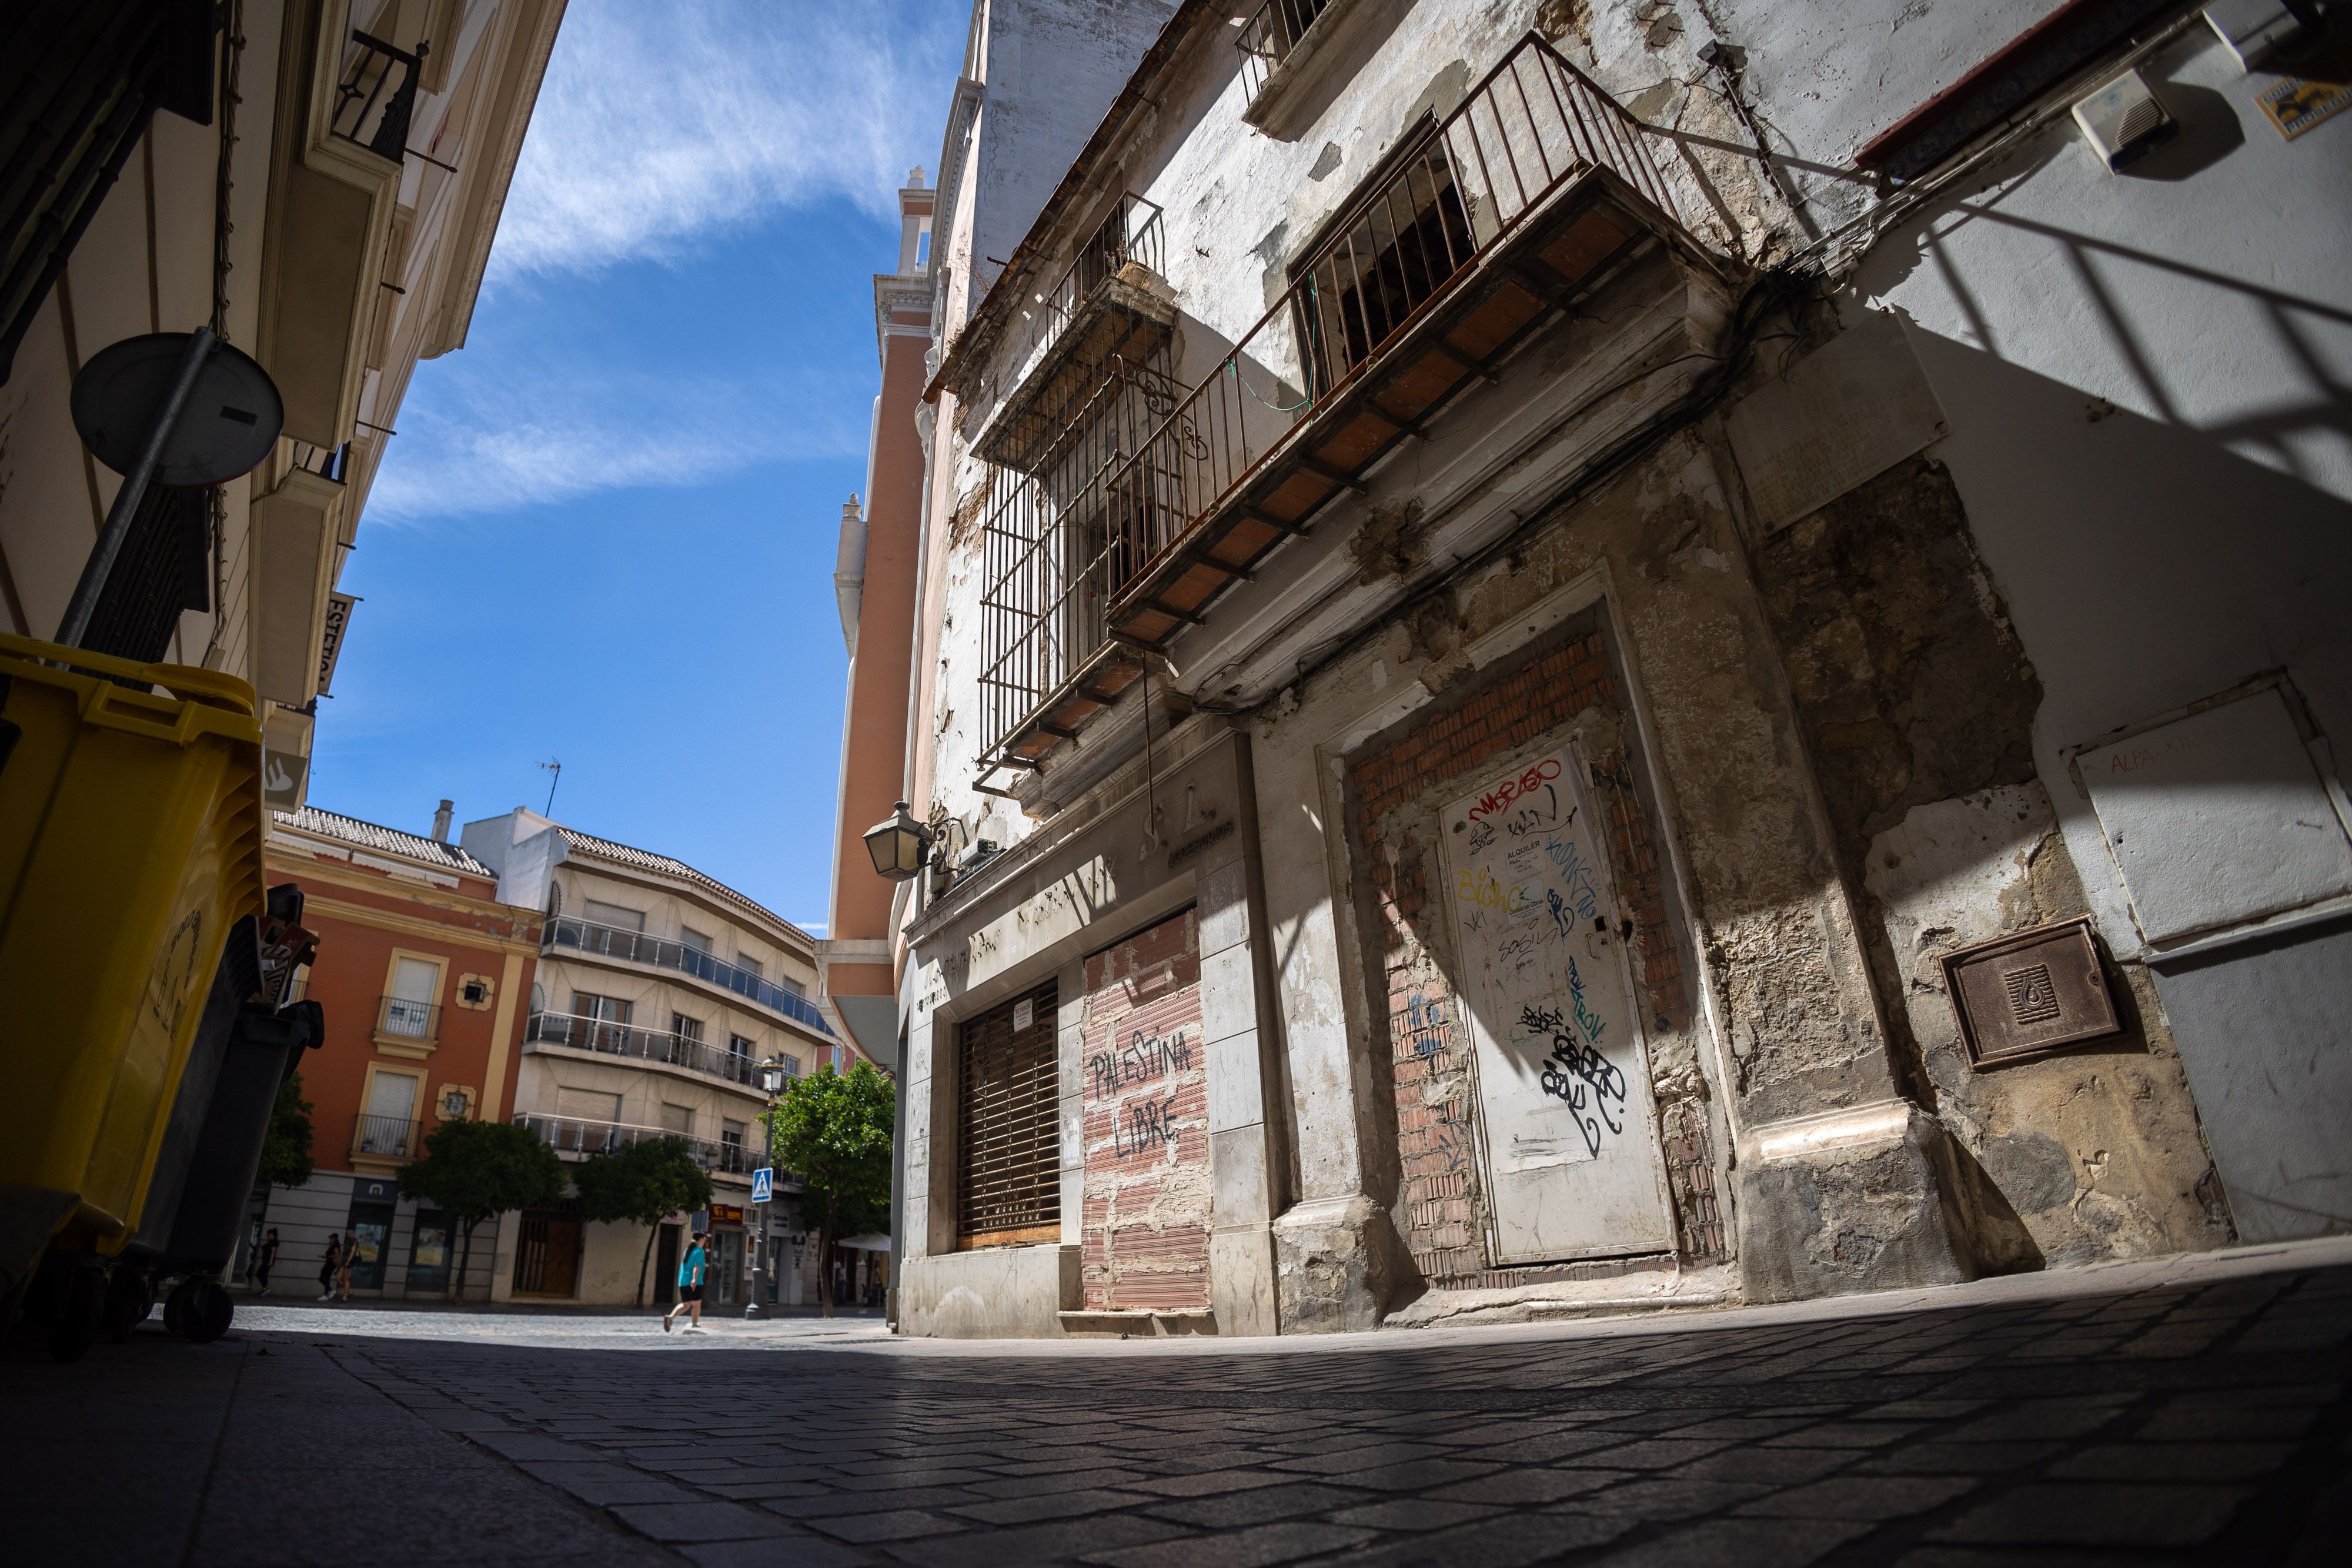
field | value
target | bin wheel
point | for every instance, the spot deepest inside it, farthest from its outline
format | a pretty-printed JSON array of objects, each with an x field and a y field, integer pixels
[
  {"x": 176, "y": 1306},
  {"x": 127, "y": 1301},
  {"x": 77, "y": 1307},
  {"x": 208, "y": 1311}
]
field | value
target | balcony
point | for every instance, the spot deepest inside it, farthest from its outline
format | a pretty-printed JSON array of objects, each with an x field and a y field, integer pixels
[
  {"x": 386, "y": 1138},
  {"x": 407, "y": 1028},
  {"x": 1515, "y": 206},
  {"x": 582, "y": 1139},
  {"x": 1271, "y": 35},
  {"x": 1110, "y": 307},
  {"x": 371, "y": 108},
  {"x": 637, "y": 947},
  {"x": 606, "y": 1038}
]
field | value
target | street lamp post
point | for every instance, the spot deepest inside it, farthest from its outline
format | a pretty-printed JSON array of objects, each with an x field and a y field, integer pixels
[{"x": 771, "y": 1080}]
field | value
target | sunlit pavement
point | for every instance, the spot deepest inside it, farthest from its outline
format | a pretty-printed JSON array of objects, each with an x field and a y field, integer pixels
[{"x": 2186, "y": 1411}]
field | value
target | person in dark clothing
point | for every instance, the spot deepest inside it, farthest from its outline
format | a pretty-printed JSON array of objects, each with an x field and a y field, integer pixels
[
  {"x": 265, "y": 1257},
  {"x": 332, "y": 1267}
]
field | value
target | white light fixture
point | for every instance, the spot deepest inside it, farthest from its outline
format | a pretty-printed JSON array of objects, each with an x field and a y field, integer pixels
[{"x": 2123, "y": 122}]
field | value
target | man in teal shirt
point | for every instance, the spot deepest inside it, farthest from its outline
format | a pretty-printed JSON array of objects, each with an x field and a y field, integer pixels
[{"x": 690, "y": 1271}]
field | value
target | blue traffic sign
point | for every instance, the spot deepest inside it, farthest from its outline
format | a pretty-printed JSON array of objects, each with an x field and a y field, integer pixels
[{"x": 763, "y": 1181}]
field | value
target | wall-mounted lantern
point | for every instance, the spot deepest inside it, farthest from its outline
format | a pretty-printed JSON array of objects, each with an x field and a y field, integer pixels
[{"x": 898, "y": 845}]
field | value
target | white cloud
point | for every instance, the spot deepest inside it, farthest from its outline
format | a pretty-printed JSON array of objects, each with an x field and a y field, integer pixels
[
  {"x": 550, "y": 434},
  {"x": 660, "y": 123}
]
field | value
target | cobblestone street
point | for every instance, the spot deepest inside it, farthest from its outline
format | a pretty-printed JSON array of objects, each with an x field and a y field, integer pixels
[{"x": 2177, "y": 1412}]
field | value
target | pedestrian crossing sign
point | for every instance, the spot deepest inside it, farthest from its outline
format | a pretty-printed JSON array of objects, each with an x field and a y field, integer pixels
[{"x": 763, "y": 1181}]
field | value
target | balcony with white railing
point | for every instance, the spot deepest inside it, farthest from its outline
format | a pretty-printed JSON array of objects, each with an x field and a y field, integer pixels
[
  {"x": 580, "y": 1139},
  {"x": 573, "y": 1032},
  {"x": 563, "y": 934},
  {"x": 1474, "y": 234}
]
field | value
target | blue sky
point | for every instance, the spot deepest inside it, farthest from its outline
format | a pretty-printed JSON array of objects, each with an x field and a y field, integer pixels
[{"x": 605, "y": 532}]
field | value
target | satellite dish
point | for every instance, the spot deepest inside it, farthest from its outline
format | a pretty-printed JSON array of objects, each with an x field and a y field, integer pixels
[{"x": 230, "y": 421}]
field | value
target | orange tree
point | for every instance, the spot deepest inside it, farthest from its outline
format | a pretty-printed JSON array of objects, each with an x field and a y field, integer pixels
[{"x": 832, "y": 1131}]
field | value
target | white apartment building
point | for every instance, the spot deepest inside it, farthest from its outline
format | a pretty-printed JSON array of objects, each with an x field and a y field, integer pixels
[{"x": 659, "y": 991}]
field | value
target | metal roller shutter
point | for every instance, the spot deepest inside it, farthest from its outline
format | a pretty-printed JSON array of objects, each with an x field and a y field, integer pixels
[{"x": 1008, "y": 1162}]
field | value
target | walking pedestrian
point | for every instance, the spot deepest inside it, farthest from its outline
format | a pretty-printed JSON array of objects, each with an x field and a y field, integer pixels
[
  {"x": 328, "y": 1269},
  {"x": 265, "y": 1257},
  {"x": 691, "y": 1272},
  {"x": 351, "y": 1256}
]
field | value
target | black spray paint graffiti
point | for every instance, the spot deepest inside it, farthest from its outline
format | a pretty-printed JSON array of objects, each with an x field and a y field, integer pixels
[
  {"x": 1143, "y": 1058},
  {"x": 1148, "y": 1124},
  {"x": 1576, "y": 1072}
]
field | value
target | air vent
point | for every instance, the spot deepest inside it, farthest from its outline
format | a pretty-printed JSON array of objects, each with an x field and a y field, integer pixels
[{"x": 2123, "y": 122}]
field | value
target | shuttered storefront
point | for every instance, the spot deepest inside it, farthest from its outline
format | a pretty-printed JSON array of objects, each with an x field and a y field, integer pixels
[
  {"x": 1147, "y": 1211},
  {"x": 1008, "y": 1143}
]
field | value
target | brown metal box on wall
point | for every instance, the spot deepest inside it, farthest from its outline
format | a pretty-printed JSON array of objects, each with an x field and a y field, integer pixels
[{"x": 2024, "y": 994}]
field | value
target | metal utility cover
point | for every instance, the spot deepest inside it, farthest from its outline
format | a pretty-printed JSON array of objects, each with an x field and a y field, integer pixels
[
  {"x": 1847, "y": 413},
  {"x": 2217, "y": 818},
  {"x": 2024, "y": 994}
]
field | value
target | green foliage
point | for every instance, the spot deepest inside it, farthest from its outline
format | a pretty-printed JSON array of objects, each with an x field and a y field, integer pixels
[
  {"x": 474, "y": 1170},
  {"x": 285, "y": 1149},
  {"x": 833, "y": 1130},
  {"x": 645, "y": 1184}
]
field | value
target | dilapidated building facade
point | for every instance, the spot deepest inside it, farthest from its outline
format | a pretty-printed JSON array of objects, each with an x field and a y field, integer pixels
[{"x": 1611, "y": 653}]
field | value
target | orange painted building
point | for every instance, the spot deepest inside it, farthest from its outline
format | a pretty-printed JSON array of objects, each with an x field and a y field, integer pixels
[
  {"x": 424, "y": 977},
  {"x": 880, "y": 551}
]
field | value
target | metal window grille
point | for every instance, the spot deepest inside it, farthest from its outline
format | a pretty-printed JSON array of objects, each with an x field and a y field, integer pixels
[
  {"x": 1008, "y": 1144},
  {"x": 1048, "y": 521},
  {"x": 79, "y": 80},
  {"x": 165, "y": 568}
]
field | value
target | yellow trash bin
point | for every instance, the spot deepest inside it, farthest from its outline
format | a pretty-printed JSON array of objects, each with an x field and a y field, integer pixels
[{"x": 131, "y": 839}]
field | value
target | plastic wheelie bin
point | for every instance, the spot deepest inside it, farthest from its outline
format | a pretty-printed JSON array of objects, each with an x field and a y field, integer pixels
[
  {"x": 130, "y": 840},
  {"x": 245, "y": 1048}
]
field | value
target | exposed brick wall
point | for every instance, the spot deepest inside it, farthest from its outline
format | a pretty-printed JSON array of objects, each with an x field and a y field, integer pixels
[
  {"x": 1398, "y": 786},
  {"x": 1144, "y": 1090}
]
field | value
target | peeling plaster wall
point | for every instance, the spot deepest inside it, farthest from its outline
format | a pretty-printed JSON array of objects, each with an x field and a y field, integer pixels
[{"x": 1919, "y": 705}]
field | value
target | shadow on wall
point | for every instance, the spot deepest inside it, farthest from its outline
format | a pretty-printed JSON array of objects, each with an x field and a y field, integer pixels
[{"x": 2146, "y": 565}]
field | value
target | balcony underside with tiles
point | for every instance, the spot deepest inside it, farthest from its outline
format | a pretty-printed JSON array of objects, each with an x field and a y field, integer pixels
[{"x": 1490, "y": 228}]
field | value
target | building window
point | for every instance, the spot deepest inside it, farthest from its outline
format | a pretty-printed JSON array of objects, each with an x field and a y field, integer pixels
[
  {"x": 677, "y": 1119},
  {"x": 792, "y": 987},
  {"x": 731, "y": 1147},
  {"x": 604, "y": 1009},
  {"x": 686, "y": 1028},
  {"x": 696, "y": 939},
  {"x": 615, "y": 917},
  {"x": 750, "y": 966},
  {"x": 742, "y": 1045},
  {"x": 1008, "y": 1148}
]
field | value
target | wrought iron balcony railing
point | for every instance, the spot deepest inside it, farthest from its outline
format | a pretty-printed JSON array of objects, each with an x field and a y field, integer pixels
[
  {"x": 1266, "y": 39},
  {"x": 573, "y": 1135},
  {"x": 1131, "y": 232},
  {"x": 419, "y": 1021},
  {"x": 1402, "y": 303},
  {"x": 387, "y": 1137},
  {"x": 328, "y": 463},
  {"x": 608, "y": 1039},
  {"x": 638, "y": 947},
  {"x": 371, "y": 107}
]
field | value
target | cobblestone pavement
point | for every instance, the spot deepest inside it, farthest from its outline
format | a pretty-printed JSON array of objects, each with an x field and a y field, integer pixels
[{"x": 2200, "y": 1416}]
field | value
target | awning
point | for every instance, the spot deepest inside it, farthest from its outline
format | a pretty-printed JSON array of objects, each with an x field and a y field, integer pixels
[{"x": 865, "y": 1243}]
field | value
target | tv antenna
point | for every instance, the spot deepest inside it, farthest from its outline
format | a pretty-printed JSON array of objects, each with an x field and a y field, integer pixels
[{"x": 555, "y": 768}]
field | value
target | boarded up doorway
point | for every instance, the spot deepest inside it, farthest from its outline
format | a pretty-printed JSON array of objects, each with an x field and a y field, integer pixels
[
  {"x": 1570, "y": 1132},
  {"x": 1144, "y": 1088}
]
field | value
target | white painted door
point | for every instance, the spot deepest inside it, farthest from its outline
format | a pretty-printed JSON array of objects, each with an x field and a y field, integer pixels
[{"x": 1573, "y": 1166}]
